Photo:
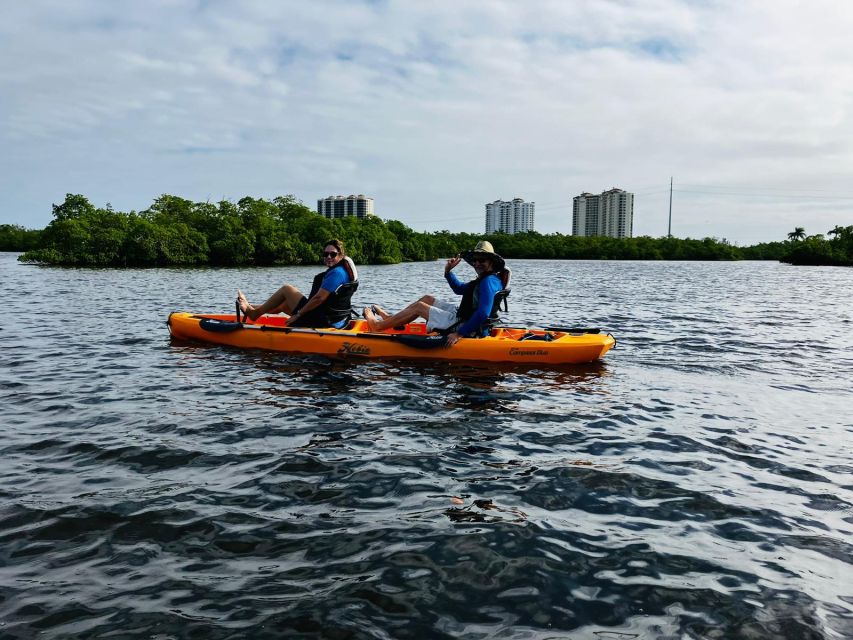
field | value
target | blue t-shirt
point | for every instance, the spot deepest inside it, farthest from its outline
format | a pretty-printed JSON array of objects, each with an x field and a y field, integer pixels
[
  {"x": 333, "y": 279},
  {"x": 489, "y": 286}
]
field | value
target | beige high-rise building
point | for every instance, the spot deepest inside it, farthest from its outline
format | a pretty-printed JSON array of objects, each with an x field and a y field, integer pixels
[
  {"x": 359, "y": 206},
  {"x": 611, "y": 213},
  {"x": 513, "y": 216}
]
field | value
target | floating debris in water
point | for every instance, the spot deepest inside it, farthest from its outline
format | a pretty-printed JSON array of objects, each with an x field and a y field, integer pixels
[{"x": 471, "y": 513}]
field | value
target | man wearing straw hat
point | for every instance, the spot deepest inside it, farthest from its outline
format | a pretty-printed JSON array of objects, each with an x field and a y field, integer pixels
[{"x": 469, "y": 317}]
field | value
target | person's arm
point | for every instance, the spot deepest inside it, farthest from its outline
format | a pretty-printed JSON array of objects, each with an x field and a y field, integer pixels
[
  {"x": 455, "y": 283},
  {"x": 314, "y": 302},
  {"x": 488, "y": 288}
]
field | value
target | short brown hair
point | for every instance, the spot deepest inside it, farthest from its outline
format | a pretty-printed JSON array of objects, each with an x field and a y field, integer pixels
[{"x": 337, "y": 244}]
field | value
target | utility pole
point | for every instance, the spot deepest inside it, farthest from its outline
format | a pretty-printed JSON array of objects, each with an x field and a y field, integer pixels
[{"x": 669, "y": 229}]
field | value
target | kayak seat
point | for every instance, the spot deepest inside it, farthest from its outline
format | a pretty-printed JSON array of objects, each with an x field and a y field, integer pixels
[
  {"x": 500, "y": 303},
  {"x": 545, "y": 337}
]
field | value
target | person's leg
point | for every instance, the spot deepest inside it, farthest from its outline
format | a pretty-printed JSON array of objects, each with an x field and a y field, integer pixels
[
  {"x": 419, "y": 309},
  {"x": 442, "y": 315},
  {"x": 282, "y": 301},
  {"x": 382, "y": 313}
]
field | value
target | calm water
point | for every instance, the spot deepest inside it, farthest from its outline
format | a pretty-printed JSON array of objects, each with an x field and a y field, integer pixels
[{"x": 698, "y": 483}]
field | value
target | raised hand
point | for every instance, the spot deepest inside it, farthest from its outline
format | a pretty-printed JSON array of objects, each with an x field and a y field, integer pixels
[{"x": 451, "y": 264}]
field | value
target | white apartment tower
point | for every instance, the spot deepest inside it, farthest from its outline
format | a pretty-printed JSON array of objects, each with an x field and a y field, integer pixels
[
  {"x": 359, "y": 206},
  {"x": 610, "y": 213},
  {"x": 513, "y": 216}
]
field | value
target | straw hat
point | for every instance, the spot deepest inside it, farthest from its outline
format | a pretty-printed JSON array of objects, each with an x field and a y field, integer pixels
[{"x": 484, "y": 248}]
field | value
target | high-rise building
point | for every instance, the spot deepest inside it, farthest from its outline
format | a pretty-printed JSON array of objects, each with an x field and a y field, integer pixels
[
  {"x": 610, "y": 213},
  {"x": 359, "y": 206},
  {"x": 585, "y": 211},
  {"x": 513, "y": 216}
]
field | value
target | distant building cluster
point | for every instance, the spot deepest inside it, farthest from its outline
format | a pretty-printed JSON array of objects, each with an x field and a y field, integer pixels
[
  {"x": 611, "y": 213},
  {"x": 359, "y": 206},
  {"x": 513, "y": 216}
]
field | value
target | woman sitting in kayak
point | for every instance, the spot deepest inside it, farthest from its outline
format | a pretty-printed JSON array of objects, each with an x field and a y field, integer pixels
[
  {"x": 328, "y": 304},
  {"x": 478, "y": 299}
]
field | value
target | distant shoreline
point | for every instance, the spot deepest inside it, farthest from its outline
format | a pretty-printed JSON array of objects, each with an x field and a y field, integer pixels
[{"x": 284, "y": 232}]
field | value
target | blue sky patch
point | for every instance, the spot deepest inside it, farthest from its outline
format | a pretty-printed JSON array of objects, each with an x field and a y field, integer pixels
[{"x": 662, "y": 48}]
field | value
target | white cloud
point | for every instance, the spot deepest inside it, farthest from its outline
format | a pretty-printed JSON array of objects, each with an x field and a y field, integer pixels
[{"x": 436, "y": 108}]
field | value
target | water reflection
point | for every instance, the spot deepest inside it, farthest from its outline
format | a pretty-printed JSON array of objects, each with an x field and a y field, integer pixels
[{"x": 486, "y": 388}]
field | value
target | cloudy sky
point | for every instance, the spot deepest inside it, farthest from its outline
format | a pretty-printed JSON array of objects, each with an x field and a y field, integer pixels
[{"x": 435, "y": 108}]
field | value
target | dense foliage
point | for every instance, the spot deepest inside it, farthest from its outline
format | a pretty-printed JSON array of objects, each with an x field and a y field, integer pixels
[
  {"x": 175, "y": 231},
  {"x": 817, "y": 250},
  {"x": 16, "y": 238}
]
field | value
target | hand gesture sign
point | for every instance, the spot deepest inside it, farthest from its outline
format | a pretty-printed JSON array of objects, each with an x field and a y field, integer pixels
[{"x": 451, "y": 264}]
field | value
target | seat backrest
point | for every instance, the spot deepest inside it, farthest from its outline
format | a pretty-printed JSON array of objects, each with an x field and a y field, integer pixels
[
  {"x": 500, "y": 300},
  {"x": 343, "y": 299},
  {"x": 347, "y": 287},
  {"x": 501, "y": 296},
  {"x": 505, "y": 275}
]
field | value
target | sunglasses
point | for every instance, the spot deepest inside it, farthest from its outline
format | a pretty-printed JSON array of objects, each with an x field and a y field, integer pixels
[
  {"x": 328, "y": 254},
  {"x": 479, "y": 259}
]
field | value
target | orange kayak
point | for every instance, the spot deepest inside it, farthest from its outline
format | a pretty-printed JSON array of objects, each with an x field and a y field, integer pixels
[{"x": 549, "y": 346}]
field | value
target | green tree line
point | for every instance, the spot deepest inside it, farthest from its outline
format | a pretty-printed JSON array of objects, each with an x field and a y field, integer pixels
[
  {"x": 16, "y": 238},
  {"x": 283, "y": 231},
  {"x": 803, "y": 249}
]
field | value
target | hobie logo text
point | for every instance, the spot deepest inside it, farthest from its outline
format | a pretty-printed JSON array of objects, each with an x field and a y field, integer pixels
[{"x": 350, "y": 349}]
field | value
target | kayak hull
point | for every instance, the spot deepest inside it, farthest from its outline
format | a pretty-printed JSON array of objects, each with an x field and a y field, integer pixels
[{"x": 505, "y": 345}]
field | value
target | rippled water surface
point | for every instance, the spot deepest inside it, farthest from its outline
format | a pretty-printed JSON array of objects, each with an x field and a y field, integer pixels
[{"x": 697, "y": 483}]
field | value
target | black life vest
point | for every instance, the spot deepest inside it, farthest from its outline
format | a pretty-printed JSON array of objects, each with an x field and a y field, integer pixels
[
  {"x": 338, "y": 305},
  {"x": 470, "y": 300}
]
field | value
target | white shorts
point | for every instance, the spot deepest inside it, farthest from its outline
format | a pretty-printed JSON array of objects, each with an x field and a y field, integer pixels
[{"x": 441, "y": 315}]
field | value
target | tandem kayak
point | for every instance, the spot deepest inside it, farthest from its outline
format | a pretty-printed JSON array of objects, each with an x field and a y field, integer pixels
[{"x": 548, "y": 346}]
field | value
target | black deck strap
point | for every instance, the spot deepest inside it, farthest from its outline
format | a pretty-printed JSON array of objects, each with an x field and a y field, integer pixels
[
  {"x": 451, "y": 329},
  {"x": 573, "y": 329},
  {"x": 219, "y": 326},
  {"x": 547, "y": 337}
]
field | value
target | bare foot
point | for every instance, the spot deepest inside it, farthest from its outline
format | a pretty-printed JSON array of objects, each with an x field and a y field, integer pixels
[
  {"x": 381, "y": 312},
  {"x": 371, "y": 319},
  {"x": 245, "y": 307}
]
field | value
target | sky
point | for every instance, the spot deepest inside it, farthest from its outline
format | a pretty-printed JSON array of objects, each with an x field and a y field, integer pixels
[{"x": 436, "y": 108}]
